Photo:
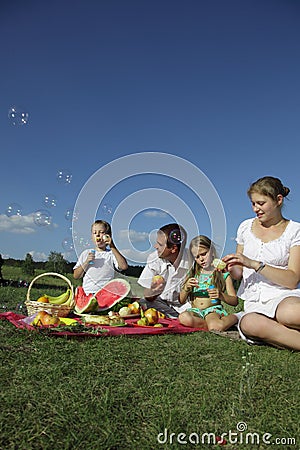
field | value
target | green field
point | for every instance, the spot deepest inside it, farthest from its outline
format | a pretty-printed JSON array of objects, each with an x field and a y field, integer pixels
[{"x": 151, "y": 392}]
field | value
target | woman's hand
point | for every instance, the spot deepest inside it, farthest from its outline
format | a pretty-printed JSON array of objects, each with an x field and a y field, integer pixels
[{"x": 238, "y": 259}]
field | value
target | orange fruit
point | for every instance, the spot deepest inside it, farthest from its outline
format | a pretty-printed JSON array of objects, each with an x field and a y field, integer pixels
[{"x": 43, "y": 299}]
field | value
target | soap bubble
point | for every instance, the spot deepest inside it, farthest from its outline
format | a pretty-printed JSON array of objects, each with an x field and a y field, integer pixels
[
  {"x": 14, "y": 209},
  {"x": 64, "y": 176},
  {"x": 20, "y": 308},
  {"x": 175, "y": 237},
  {"x": 67, "y": 244},
  {"x": 75, "y": 216},
  {"x": 50, "y": 200},
  {"x": 107, "y": 209},
  {"x": 69, "y": 214},
  {"x": 42, "y": 218},
  {"x": 17, "y": 116}
]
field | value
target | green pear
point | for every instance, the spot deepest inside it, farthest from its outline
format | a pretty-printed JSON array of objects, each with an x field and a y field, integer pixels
[{"x": 143, "y": 322}]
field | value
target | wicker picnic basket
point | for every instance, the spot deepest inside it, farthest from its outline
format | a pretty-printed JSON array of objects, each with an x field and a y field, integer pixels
[{"x": 55, "y": 310}]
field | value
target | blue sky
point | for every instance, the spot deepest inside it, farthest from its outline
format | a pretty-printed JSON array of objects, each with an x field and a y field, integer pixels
[{"x": 215, "y": 83}]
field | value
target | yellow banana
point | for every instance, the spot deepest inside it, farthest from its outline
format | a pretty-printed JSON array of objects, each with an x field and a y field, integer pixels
[
  {"x": 63, "y": 298},
  {"x": 70, "y": 300}
]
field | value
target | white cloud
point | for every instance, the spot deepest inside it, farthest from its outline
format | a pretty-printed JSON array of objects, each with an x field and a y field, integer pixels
[
  {"x": 5, "y": 256},
  {"x": 17, "y": 224},
  {"x": 20, "y": 224},
  {"x": 134, "y": 236},
  {"x": 135, "y": 257},
  {"x": 155, "y": 213},
  {"x": 37, "y": 256}
]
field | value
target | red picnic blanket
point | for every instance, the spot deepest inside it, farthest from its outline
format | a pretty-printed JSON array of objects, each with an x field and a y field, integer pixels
[{"x": 170, "y": 326}]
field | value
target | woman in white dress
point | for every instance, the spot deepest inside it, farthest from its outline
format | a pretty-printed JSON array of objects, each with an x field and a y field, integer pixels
[{"x": 267, "y": 260}]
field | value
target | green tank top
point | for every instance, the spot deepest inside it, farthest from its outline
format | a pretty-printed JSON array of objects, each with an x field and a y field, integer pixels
[{"x": 205, "y": 280}]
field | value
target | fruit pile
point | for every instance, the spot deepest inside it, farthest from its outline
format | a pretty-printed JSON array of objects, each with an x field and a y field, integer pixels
[
  {"x": 63, "y": 299},
  {"x": 150, "y": 317},
  {"x": 130, "y": 309},
  {"x": 45, "y": 319}
]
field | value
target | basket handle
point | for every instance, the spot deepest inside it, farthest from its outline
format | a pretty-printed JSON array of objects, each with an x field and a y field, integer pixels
[{"x": 46, "y": 274}]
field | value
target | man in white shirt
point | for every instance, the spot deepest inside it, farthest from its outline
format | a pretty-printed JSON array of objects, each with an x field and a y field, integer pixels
[{"x": 171, "y": 261}]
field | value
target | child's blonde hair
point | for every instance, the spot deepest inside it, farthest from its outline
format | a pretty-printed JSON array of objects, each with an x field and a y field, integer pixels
[
  {"x": 217, "y": 276},
  {"x": 104, "y": 223}
]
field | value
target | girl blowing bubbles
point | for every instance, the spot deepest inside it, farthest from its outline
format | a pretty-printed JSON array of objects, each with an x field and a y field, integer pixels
[
  {"x": 267, "y": 259},
  {"x": 206, "y": 288},
  {"x": 98, "y": 265}
]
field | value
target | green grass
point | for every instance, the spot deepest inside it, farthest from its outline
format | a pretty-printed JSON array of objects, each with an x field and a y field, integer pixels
[{"x": 121, "y": 392}]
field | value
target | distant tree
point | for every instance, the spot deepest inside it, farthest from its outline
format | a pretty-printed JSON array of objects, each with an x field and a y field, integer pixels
[
  {"x": 134, "y": 271},
  {"x": 28, "y": 265},
  {"x": 56, "y": 263},
  {"x": 1, "y": 264}
]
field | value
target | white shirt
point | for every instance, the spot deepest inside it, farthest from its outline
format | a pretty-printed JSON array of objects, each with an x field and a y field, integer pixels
[
  {"x": 260, "y": 294},
  {"x": 173, "y": 277},
  {"x": 99, "y": 272}
]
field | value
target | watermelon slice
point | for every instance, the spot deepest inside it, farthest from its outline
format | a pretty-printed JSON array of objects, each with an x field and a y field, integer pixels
[
  {"x": 111, "y": 293},
  {"x": 83, "y": 302}
]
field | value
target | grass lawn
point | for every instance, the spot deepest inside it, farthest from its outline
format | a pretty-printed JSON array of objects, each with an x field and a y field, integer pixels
[{"x": 143, "y": 392}]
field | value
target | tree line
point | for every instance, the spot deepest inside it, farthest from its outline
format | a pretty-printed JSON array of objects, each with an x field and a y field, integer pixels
[{"x": 55, "y": 263}]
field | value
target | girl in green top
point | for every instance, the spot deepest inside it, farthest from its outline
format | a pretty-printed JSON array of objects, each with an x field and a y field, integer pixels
[{"x": 206, "y": 287}]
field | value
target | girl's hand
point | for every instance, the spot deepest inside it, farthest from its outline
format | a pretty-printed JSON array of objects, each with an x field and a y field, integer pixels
[
  {"x": 191, "y": 282},
  {"x": 213, "y": 293},
  {"x": 107, "y": 239},
  {"x": 90, "y": 257}
]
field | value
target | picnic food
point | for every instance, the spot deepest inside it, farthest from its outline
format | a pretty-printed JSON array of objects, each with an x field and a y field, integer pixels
[
  {"x": 134, "y": 307},
  {"x": 59, "y": 306},
  {"x": 111, "y": 293},
  {"x": 151, "y": 315},
  {"x": 143, "y": 322},
  {"x": 44, "y": 319},
  {"x": 43, "y": 299},
  {"x": 84, "y": 302},
  {"x": 62, "y": 299},
  {"x": 50, "y": 320},
  {"x": 219, "y": 264},
  {"x": 113, "y": 319},
  {"x": 158, "y": 279},
  {"x": 125, "y": 311},
  {"x": 38, "y": 318}
]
